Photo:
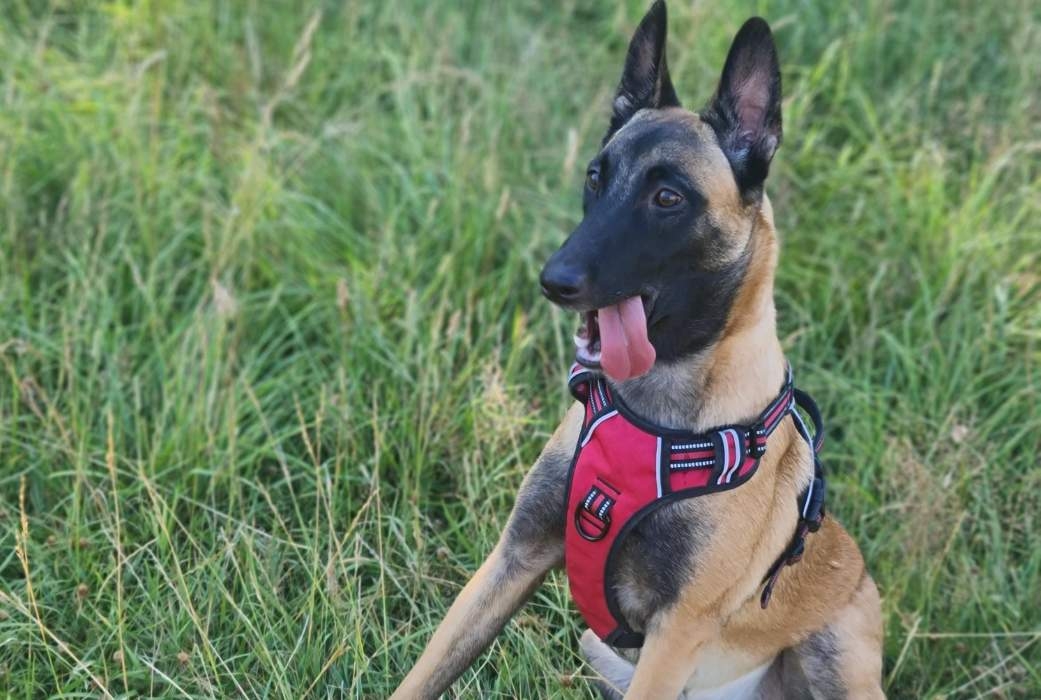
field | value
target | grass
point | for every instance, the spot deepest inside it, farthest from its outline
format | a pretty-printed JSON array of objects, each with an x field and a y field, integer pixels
[{"x": 275, "y": 361}]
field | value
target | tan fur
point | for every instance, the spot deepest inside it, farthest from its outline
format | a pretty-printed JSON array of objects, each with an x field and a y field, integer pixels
[{"x": 859, "y": 626}]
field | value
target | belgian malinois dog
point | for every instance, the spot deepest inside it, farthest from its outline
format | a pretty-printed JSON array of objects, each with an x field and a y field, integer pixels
[{"x": 671, "y": 271}]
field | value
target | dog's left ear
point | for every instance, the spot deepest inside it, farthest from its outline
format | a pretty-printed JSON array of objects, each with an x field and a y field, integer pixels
[
  {"x": 645, "y": 80},
  {"x": 746, "y": 110}
]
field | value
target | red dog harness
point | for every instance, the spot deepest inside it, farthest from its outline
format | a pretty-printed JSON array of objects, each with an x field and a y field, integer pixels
[{"x": 624, "y": 468}]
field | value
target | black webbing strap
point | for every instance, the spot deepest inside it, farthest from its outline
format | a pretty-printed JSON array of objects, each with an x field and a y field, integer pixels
[{"x": 811, "y": 500}]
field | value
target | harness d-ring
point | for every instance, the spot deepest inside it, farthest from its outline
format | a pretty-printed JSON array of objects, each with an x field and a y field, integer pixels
[
  {"x": 581, "y": 517},
  {"x": 593, "y": 515}
]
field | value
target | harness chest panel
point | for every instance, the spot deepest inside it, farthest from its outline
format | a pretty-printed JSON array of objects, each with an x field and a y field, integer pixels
[{"x": 625, "y": 468}]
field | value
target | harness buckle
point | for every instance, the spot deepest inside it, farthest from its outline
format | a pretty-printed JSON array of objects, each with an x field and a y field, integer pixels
[
  {"x": 813, "y": 516},
  {"x": 757, "y": 440}
]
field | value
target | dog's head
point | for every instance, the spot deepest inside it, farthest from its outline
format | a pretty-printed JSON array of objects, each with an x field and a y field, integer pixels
[{"x": 670, "y": 206}]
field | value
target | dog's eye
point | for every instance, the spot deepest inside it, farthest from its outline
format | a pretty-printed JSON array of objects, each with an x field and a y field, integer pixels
[
  {"x": 667, "y": 198},
  {"x": 593, "y": 179}
]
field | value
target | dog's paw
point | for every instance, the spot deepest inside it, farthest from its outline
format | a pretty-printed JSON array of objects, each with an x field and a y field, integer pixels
[{"x": 615, "y": 672}]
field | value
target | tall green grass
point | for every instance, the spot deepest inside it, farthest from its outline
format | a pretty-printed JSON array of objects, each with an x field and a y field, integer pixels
[{"x": 275, "y": 360}]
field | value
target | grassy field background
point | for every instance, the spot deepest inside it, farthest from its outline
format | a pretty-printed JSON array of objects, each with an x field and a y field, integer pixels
[{"x": 274, "y": 358}]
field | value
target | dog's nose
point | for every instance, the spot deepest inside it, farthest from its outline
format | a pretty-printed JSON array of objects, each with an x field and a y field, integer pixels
[{"x": 562, "y": 283}]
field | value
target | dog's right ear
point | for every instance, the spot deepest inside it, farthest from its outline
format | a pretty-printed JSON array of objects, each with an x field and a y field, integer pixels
[
  {"x": 746, "y": 110},
  {"x": 645, "y": 80}
]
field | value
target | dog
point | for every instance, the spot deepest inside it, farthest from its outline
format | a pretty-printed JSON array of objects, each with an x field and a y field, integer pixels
[{"x": 733, "y": 584}]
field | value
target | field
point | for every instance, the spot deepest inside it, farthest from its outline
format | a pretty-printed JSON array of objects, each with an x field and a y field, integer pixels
[{"x": 275, "y": 361}]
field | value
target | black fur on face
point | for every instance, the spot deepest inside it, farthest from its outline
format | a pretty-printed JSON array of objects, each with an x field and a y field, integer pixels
[{"x": 650, "y": 226}]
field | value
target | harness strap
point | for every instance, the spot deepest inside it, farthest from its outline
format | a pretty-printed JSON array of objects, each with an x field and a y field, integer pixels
[{"x": 811, "y": 500}]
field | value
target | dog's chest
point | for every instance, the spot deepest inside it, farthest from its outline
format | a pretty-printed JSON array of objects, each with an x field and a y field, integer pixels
[
  {"x": 722, "y": 675},
  {"x": 658, "y": 557}
]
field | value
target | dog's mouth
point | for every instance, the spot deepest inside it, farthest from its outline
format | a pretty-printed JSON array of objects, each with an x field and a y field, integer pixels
[{"x": 614, "y": 339}]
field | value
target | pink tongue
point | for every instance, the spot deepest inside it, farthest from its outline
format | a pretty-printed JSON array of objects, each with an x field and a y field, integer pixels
[{"x": 625, "y": 351}]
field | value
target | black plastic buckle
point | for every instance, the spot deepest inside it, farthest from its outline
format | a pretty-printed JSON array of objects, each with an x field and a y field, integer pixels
[
  {"x": 814, "y": 515},
  {"x": 593, "y": 515},
  {"x": 755, "y": 449}
]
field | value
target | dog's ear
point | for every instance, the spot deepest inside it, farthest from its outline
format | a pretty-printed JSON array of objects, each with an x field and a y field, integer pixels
[
  {"x": 645, "y": 80},
  {"x": 746, "y": 110}
]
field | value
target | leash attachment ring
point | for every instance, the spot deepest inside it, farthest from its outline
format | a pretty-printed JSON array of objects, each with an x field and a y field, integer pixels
[{"x": 593, "y": 515}]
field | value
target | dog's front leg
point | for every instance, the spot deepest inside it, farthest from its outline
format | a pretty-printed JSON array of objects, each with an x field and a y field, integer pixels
[
  {"x": 497, "y": 590},
  {"x": 670, "y": 650},
  {"x": 531, "y": 544}
]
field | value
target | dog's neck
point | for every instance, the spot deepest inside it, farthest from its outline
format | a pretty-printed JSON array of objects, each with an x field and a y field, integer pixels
[{"x": 734, "y": 379}]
